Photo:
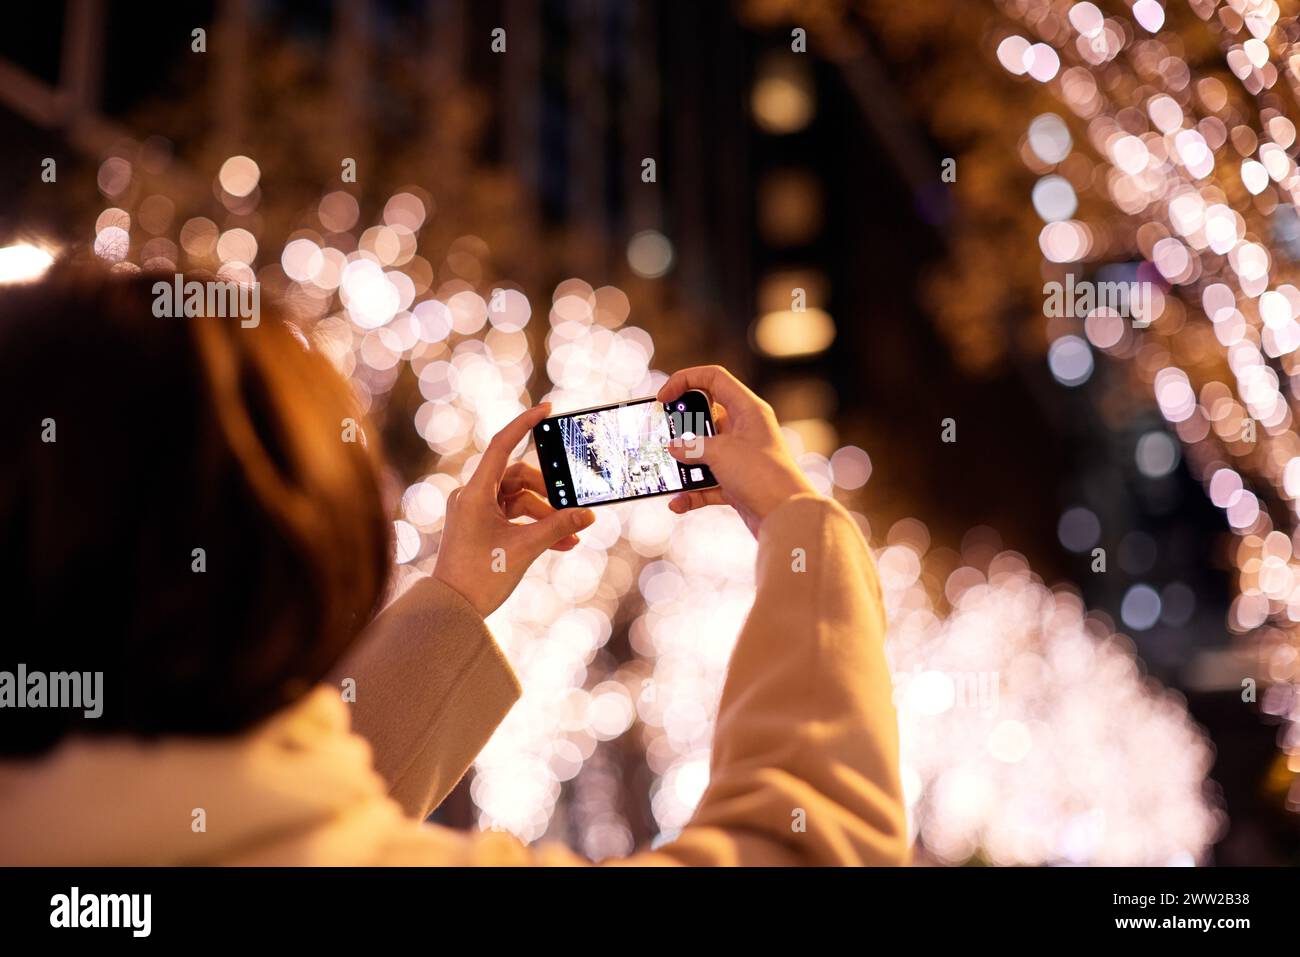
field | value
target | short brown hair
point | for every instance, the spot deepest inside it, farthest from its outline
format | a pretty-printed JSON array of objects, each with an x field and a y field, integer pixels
[{"x": 171, "y": 435}]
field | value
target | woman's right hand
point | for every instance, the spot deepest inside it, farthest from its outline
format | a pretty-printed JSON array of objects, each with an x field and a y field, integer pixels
[{"x": 748, "y": 455}]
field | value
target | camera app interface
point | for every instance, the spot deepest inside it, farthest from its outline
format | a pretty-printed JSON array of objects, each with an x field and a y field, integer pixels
[{"x": 619, "y": 453}]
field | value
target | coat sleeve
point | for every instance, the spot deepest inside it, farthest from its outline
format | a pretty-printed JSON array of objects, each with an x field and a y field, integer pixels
[
  {"x": 431, "y": 687},
  {"x": 805, "y": 754}
]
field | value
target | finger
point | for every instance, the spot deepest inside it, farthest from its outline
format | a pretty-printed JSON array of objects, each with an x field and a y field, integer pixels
[
  {"x": 522, "y": 475},
  {"x": 492, "y": 466},
  {"x": 720, "y": 420},
  {"x": 720, "y": 385},
  {"x": 527, "y": 504},
  {"x": 555, "y": 528},
  {"x": 699, "y": 449},
  {"x": 684, "y": 502}
]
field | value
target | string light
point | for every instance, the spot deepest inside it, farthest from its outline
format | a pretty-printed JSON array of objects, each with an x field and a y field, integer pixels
[{"x": 1194, "y": 174}]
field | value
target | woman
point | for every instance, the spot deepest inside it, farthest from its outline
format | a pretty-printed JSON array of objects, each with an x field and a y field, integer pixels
[{"x": 188, "y": 508}]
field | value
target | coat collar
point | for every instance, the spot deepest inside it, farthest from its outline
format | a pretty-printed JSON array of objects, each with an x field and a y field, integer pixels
[{"x": 299, "y": 788}]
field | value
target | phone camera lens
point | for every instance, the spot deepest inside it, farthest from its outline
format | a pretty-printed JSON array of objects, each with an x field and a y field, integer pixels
[{"x": 681, "y": 406}]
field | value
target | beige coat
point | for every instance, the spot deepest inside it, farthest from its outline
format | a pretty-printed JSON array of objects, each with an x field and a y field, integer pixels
[{"x": 805, "y": 723}]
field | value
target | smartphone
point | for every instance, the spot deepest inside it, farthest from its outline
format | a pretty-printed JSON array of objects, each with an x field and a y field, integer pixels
[{"x": 614, "y": 453}]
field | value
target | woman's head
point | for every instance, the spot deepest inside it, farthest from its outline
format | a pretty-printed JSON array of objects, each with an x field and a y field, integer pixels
[{"x": 186, "y": 505}]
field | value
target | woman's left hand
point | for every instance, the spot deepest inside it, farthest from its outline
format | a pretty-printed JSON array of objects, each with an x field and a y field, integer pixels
[{"x": 484, "y": 554}]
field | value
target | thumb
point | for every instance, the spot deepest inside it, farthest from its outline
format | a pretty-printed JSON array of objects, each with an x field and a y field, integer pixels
[
  {"x": 698, "y": 450},
  {"x": 539, "y": 536}
]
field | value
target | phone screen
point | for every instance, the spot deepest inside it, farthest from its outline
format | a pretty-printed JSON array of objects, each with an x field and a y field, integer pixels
[{"x": 617, "y": 452}]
